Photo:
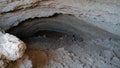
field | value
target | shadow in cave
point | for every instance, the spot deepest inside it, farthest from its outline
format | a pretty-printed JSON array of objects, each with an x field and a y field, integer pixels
[{"x": 48, "y": 34}]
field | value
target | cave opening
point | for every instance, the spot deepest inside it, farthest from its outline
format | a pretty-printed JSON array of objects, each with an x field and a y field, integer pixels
[
  {"x": 53, "y": 28},
  {"x": 62, "y": 37},
  {"x": 43, "y": 35}
]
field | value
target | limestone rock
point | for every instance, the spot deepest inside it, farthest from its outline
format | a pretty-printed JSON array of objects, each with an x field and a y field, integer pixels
[
  {"x": 11, "y": 48},
  {"x": 101, "y": 13}
]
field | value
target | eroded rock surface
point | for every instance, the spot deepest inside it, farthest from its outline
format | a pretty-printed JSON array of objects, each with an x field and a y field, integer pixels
[
  {"x": 90, "y": 53},
  {"x": 101, "y": 13},
  {"x": 11, "y": 48}
]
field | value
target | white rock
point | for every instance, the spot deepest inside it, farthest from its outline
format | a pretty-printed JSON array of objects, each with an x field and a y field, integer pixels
[{"x": 11, "y": 47}]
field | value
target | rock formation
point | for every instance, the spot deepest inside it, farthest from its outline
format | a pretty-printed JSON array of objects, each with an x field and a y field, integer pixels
[
  {"x": 93, "y": 27},
  {"x": 101, "y": 13},
  {"x": 11, "y": 48}
]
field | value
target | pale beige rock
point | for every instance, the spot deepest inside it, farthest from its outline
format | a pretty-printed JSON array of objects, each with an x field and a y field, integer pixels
[
  {"x": 104, "y": 14},
  {"x": 101, "y": 13},
  {"x": 11, "y": 48}
]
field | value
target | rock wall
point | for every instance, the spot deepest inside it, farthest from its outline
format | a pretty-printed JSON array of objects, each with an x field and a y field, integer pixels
[{"x": 101, "y": 13}]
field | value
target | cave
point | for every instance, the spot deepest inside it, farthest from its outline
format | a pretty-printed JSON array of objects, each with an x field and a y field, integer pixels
[
  {"x": 59, "y": 31},
  {"x": 59, "y": 34}
]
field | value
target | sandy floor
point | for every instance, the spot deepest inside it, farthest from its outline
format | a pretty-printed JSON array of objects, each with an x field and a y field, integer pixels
[{"x": 68, "y": 52}]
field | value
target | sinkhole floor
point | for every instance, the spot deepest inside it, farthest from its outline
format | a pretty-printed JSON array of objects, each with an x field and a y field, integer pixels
[{"x": 67, "y": 52}]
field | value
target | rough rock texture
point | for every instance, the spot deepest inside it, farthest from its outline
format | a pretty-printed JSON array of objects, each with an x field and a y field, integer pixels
[
  {"x": 11, "y": 48},
  {"x": 23, "y": 62},
  {"x": 91, "y": 53},
  {"x": 65, "y": 53},
  {"x": 101, "y": 13}
]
